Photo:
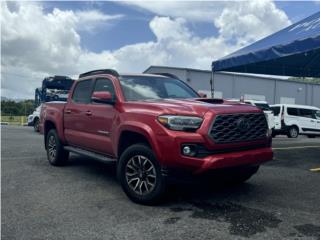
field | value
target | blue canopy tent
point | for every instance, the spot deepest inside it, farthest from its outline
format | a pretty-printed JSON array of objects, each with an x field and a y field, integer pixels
[{"x": 293, "y": 51}]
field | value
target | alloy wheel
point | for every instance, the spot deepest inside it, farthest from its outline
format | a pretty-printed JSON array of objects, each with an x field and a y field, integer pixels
[
  {"x": 52, "y": 148},
  {"x": 140, "y": 175}
]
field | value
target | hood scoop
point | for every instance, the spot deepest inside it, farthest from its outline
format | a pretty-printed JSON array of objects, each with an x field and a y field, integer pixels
[{"x": 211, "y": 100}]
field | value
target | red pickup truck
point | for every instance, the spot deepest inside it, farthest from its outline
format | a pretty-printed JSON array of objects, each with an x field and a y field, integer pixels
[{"x": 151, "y": 126}]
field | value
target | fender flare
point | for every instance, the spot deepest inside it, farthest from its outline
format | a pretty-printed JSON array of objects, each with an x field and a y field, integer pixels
[{"x": 139, "y": 128}]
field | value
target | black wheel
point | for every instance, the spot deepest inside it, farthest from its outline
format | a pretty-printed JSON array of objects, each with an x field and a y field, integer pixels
[
  {"x": 274, "y": 134},
  {"x": 36, "y": 125},
  {"x": 57, "y": 156},
  {"x": 293, "y": 132},
  {"x": 139, "y": 173},
  {"x": 241, "y": 174}
]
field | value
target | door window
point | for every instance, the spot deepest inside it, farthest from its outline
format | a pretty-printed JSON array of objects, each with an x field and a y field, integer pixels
[
  {"x": 317, "y": 114},
  {"x": 82, "y": 92},
  {"x": 276, "y": 110},
  {"x": 292, "y": 111},
  {"x": 308, "y": 113},
  {"x": 104, "y": 85}
]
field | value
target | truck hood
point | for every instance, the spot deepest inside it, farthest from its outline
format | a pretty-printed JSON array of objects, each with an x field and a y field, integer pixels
[{"x": 194, "y": 107}]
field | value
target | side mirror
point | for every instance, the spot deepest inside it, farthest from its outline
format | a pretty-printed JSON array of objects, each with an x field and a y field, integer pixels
[
  {"x": 103, "y": 97},
  {"x": 202, "y": 95}
]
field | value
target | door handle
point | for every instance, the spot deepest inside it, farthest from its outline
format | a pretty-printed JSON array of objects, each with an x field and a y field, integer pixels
[
  {"x": 88, "y": 113},
  {"x": 312, "y": 121},
  {"x": 68, "y": 111}
]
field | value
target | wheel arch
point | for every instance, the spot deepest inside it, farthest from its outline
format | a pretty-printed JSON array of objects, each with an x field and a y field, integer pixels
[
  {"x": 48, "y": 125},
  {"x": 136, "y": 133}
]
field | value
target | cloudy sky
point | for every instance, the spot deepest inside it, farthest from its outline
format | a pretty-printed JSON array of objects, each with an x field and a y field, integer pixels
[{"x": 40, "y": 39}]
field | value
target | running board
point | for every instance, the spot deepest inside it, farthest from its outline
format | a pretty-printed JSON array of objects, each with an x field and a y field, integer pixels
[{"x": 93, "y": 155}]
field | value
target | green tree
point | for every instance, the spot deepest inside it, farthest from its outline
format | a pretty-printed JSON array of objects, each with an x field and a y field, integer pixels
[{"x": 12, "y": 108}]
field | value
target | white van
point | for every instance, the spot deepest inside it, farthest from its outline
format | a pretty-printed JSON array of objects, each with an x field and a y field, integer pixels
[
  {"x": 264, "y": 106},
  {"x": 292, "y": 120}
]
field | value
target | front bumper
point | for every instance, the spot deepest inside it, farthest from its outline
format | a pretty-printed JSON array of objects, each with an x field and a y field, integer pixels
[
  {"x": 226, "y": 160},
  {"x": 219, "y": 157}
]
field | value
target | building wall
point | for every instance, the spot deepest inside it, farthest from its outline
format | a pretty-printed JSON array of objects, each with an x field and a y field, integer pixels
[{"x": 228, "y": 85}]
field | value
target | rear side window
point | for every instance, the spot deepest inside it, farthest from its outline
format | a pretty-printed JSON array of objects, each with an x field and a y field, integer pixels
[
  {"x": 292, "y": 111},
  {"x": 82, "y": 92},
  {"x": 308, "y": 113},
  {"x": 276, "y": 110},
  {"x": 104, "y": 85}
]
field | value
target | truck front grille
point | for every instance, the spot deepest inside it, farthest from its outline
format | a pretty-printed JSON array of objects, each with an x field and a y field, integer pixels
[{"x": 241, "y": 127}]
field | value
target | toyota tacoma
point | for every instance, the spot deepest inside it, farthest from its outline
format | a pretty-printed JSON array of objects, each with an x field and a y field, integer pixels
[{"x": 152, "y": 125}]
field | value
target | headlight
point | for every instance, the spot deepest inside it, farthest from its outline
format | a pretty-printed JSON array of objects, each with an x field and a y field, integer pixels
[{"x": 180, "y": 123}]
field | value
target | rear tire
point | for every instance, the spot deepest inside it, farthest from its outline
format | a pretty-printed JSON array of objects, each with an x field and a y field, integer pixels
[
  {"x": 36, "y": 125},
  {"x": 139, "y": 173},
  {"x": 293, "y": 132},
  {"x": 57, "y": 156}
]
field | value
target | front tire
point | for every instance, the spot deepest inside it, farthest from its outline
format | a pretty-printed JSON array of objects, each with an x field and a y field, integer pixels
[
  {"x": 139, "y": 173},
  {"x": 56, "y": 155},
  {"x": 293, "y": 132}
]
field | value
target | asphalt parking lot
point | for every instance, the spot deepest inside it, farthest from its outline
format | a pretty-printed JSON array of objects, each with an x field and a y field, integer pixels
[{"x": 83, "y": 200}]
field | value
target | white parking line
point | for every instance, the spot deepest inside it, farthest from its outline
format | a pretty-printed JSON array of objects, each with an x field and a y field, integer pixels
[
  {"x": 296, "y": 147},
  {"x": 315, "y": 169}
]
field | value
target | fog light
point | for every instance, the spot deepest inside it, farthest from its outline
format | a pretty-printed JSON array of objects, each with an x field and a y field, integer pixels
[
  {"x": 189, "y": 150},
  {"x": 186, "y": 150}
]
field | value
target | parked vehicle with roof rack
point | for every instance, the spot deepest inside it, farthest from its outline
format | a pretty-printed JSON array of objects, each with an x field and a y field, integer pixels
[
  {"x": 152, "y": 127},
  {"x": 292, "y": 120}
]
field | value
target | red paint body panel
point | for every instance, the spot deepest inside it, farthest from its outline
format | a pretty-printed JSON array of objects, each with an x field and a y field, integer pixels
[{"x": 98, "y": 127}]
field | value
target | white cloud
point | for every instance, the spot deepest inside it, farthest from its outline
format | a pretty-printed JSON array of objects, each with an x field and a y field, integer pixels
[
  {"x": 89, "y": 20},
  {"x": 245, "y": 21},
  {"x": 36, "y": 44}
]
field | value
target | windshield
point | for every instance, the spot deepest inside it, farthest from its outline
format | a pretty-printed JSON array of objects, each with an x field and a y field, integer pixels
[
  {"x": 137, "y": 88},
  {"x": 263, "y": 106}
]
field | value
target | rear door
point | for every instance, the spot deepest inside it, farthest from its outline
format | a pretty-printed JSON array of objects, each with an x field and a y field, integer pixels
[
  {"x": 75, "y": 114},
  {"x": 100, "y": 120}
]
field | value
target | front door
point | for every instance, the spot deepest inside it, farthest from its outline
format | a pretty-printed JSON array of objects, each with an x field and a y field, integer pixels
[
  {"x": 100, "y": 120},
  {"x": 307, "y": 120}
]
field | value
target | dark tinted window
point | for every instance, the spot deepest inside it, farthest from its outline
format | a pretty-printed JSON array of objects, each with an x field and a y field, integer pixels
[
  {"x": 276, "y": 110},
  {"x": 308, "y": 113},
  {"x": 263, "y": 106},
  {"x": 137, "y": 88},
  {"x": 82, "y": 92},
  {"x": 293, "y": 111},
  {"x": 103, "y": 85}
]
